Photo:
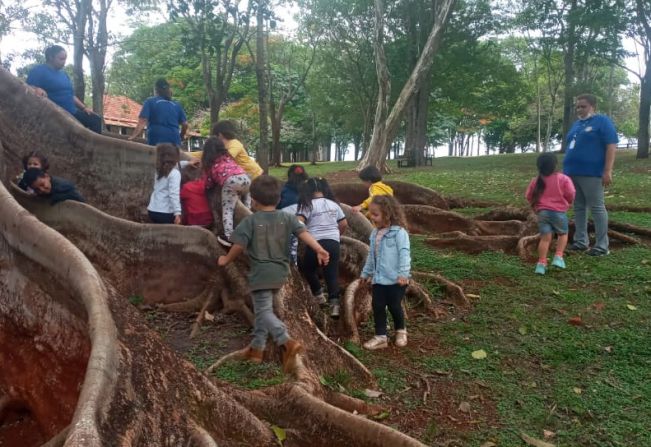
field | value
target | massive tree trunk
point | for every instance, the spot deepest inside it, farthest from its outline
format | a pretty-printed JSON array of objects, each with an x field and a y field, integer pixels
[
  {"x": 97, "y": 38},
  {"x": 386, "y": 124},
  {"x": 78, "y": 37},
  {"x": 568, "y": 62},
  {"x": 416, "y": 132}
]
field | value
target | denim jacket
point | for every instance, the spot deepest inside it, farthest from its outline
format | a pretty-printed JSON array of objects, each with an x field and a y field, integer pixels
[{"x": 393, "y": 258}]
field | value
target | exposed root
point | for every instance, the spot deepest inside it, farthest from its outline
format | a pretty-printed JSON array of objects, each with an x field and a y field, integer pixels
[
  {"x": 419, "y": 292},
  {"x": 349, "y": 318},
  {"x": 235, "y": 355},
  {"x": 4, "y": 404},
  {"x": 209, "y": 300},
  {"x": 59, "y": 439},
  {"x": 453, "y": 291},
  {"x": 200, "y": 437},
  {"x": 623, "y": 237},
  {"x": 189, "y": 306},
  {"x": 351, "y": 404},
  {"x": 507, "y": 213},
  {"x": 524, "y": 245},
  {"x": 369, "y": 375},
  {"x": 628, "y": 228}
]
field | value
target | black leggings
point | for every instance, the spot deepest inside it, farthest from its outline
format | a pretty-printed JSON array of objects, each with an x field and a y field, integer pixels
[
  {"x": 391, "y": 297},
  {"x": 161, "y": 218},
  {"x": 309, "y": 266},
  {"x": 90, "y": 121}
]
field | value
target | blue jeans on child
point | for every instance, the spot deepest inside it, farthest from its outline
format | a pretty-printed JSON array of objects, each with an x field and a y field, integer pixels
[
  {"x": 552, "y": 222},
  {"x": 266, "y": 322}
]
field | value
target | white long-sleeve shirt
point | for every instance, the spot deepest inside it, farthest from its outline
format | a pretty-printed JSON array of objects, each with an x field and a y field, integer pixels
[{"x": 166, "y": 197}]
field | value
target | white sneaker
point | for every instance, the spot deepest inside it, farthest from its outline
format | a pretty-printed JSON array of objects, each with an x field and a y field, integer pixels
[
  {"x": 377, "y": 342},
  {"x": 320, "y": 299},
  {"x": 401, "y": 338}
]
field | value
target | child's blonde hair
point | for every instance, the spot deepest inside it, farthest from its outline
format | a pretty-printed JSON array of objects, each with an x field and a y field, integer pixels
[{"x": 391, "y": 210}]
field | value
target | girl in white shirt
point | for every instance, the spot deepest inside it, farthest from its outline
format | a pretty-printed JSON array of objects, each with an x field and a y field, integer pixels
[
  {"x": 165, "y": 201},
  {"x": 325, "y": 221}
]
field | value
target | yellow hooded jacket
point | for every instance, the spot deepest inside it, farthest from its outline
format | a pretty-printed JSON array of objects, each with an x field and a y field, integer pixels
[
  {"x": 376, "y": 189},
  {"x": 242, "y": 158}
]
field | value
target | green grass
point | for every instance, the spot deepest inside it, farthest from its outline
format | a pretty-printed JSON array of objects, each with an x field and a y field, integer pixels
[{"x": 590, "y": 384}]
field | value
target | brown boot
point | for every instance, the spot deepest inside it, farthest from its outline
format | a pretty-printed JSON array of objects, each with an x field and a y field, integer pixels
[
  {"x": 289, "y": 350},
  {"x": 253, "y": 355}
]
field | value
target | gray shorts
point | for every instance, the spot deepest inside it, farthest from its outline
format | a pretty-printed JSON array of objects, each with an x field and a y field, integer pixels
[{"x": 552, "y": 222}]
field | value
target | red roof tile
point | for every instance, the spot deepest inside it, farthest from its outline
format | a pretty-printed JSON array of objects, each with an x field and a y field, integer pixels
[{"x": 121, "y": 111}]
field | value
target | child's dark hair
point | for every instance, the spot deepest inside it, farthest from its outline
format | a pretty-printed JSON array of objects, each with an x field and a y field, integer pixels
[
  {"x": 546, "y": 164},
  {"x": 309, "y": 188},
  {"x": 370, "y": 174},
  {"x": 391, "y": 210},
  {"x": 265, "y": 190},
  {"x": 213, "y": 148},
  {"x": 32, "y": 174},
  {"x": 189, "y": 174},
  {"x": 296, "y": 175},
  {"x": 45, "y": 165},
  {"x": 226, "y": 128},
  {"x": 167, "y": 158}
]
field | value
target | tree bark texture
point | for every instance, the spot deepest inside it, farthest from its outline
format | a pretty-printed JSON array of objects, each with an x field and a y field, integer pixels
[
  {"x": 568, "y": 63},
  {"x": 262, "y": 155},
  {"x": 385, "y": 127}
]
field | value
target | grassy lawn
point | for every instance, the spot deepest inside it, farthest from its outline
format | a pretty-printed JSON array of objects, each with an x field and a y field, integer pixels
[{"x": 569, "y": 353}]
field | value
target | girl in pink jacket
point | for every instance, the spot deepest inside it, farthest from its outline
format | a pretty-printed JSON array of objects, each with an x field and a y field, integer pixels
[
  {"x": 550, "y": 194},
  {"x": 222, "y": 170}
]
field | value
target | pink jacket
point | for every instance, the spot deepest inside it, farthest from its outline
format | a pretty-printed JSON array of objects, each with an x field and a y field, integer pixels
[
  {"x": 558, "y": 194},
  {"x": 224, "y": 167}
]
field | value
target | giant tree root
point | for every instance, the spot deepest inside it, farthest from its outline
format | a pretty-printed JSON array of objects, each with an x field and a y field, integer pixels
[
  {"x": 474, "y": 244},
  {"x": 355, "y": 193}
]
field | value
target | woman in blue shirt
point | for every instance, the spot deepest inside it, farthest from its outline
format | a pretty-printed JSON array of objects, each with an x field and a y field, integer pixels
[
  {"x": 162, "y": 116},
  {"x": 50, "y": 81}
]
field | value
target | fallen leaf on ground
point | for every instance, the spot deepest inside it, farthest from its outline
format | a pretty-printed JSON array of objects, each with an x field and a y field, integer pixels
[
  {"x": 208, "y": 316},
  {"x": 575, "y": 321},
  {"x": 479, "y": 354},
  {"x": 535, "y": 442},
  {"x": 548, "y": 434},
  {"x": 372, "y": 393},
  {"x": 631, "y": 307},
  {"x": 464, "y": 407},
  {"x": 280, "y": 433},
  {"x": 522, "y": 330},
  {"x": 608, "y": 349},
  {"x": 598, "y": 306},
  {"x": 472, "y": 296},
  {"x": 489, "y": 444},
  {"x": 577, "y": 390}
]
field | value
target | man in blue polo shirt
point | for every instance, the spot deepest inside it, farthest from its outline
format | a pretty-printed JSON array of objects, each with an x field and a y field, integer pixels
[
  {"x": 50, "y": 81},
  {"x": 590, "y": 155}
]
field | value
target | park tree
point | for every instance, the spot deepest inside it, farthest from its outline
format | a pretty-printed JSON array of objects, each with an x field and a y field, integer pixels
[
  {"x": 217, "y": 32},
  {"x": 11, "y": 11},
  {"x": 386, "y": 122}
]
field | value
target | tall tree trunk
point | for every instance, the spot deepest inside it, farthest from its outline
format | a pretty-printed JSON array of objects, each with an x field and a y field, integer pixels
[
  {"x": 568, "y": 62},
  {"x": 416, "y": 132},
  {"x": 96, "y": 50},
  {"x": 261, "y": 74},
  {"x": 79, "y": 33},
  {"x": 385, "y": 128},
  {"x": 276, "y": 123},
  {"x": 644, "y": 113}
]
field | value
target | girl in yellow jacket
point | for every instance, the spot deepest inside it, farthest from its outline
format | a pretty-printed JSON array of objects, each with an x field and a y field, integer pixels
[
  {"x": 226, "y": 132},
  {"x": 372, "y": 178}
]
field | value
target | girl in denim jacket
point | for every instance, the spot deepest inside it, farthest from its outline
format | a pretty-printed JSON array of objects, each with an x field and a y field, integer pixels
[{"x": 387, "y": 268}]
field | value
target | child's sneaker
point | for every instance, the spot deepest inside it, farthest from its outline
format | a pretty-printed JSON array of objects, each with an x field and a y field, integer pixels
[
  {"x": 320, "y": 299},
  {"x": 540, "y": 269},
  {"x": 377, "y": 342},
  {"x": 558, "y": 262},
  {"x": 290, "y": 350},
  {"x": 224, "y": 240},
  {"x": 401, "y": 338},
  {"x": 253, "y": 355},
  {"x": 334, "y": 311}
]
